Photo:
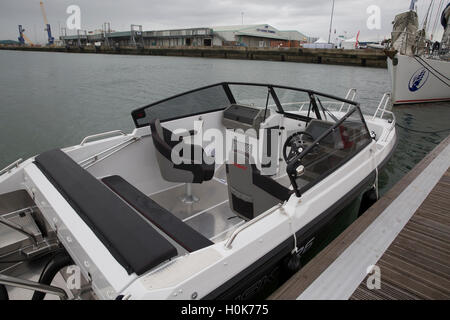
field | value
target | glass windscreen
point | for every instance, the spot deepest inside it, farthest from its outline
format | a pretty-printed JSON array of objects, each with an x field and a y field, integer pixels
[
  {"x": 293, "y": 101},
  {"x": 332, "y": 145},
  {"x": 298, "y": 103},
  {"x": 253, "y": 96},
  {"x": 331, "y": 109},
  {"x": 191, "y": 103}
]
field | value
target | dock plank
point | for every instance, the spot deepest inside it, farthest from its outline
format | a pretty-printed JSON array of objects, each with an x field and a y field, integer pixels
[
  {"x": 417, "y": 272},
  {"x": 417, "y": 263},
  {"x": 434, "y": 262}
]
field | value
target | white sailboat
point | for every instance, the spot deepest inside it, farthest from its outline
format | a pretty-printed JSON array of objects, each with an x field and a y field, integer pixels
[{"x": 418, "y": 74}]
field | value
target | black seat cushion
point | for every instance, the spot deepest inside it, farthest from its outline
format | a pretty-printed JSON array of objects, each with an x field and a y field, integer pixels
[
  {"x": 164, "y": 145},
  {"x": 160, "y": 144},
  {"x": 179, "y": 231},
  {"x": 131, "y": 240}
]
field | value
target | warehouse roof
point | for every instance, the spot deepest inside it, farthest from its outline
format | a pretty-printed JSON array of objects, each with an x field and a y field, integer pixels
[
  {"x": 294, "y": 35},
  {"x": 237, "y": 28},
  {"x": 111, "y": 35}
]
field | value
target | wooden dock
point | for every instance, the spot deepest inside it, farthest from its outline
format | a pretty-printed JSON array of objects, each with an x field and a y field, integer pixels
[
  {"x": 417, "y": 264},
  {"x": 406, "y": 234}
]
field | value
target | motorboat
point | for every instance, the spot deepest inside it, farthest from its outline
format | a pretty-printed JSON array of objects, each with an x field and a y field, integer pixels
[
  {"x": 419, "y": 73},
  {"x": 212, "y": 190}
]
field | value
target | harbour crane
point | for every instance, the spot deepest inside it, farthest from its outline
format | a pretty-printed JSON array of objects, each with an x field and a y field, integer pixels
[
  {"x": 23, "y": 37},
  {"x": 51, "y": 39}
]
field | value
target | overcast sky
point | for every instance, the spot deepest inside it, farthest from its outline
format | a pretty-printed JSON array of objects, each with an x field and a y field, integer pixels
[{"x": 311, "y": 17}]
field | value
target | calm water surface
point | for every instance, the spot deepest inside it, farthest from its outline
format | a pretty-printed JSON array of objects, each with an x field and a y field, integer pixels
[{"x": 53, "y": 100}]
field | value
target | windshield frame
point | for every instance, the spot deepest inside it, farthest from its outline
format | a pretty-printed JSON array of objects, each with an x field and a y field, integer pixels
[
  {"x": 291, "y": 167},
  {"x": 140, "y": 112}
]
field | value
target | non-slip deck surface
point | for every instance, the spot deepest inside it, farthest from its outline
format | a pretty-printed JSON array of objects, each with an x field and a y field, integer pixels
[{"x": 184, "y": 235}]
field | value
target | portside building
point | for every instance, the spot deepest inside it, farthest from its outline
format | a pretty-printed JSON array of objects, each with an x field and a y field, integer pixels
[{"x": 259, "y": 35}]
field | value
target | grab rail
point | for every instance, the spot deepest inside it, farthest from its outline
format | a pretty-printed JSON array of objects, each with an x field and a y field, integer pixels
[
  {"x": 347, "y": 97},
  {"x": 31, "y": 285},
  {"x": 96, "y": 157},
  {"x": 304, "y": 103},
  {"x": 386, "y": 98},
  {"x": 248, "y": 224},
  {"x": 8, "y": 168},
  {"x": 100, "y": 135}
]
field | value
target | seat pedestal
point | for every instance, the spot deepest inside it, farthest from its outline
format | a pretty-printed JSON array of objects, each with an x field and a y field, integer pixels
[{"x": 188, "y": 197}]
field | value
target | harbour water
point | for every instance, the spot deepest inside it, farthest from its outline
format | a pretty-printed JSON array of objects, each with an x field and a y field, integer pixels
[{"x": 53, "y": 100}]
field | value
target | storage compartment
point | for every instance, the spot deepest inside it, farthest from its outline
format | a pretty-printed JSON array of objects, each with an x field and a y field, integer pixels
[
  {"x": 24, "y": 234},
  {"x": 244, "y": 117}
]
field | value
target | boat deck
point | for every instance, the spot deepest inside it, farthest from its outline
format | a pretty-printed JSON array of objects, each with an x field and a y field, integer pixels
[
  {"x": 406, "y": 234},
  {"x": 211, "y": 215}
]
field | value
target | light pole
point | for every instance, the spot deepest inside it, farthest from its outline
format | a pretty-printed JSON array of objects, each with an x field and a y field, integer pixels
[{"x": 331, "y": 22}]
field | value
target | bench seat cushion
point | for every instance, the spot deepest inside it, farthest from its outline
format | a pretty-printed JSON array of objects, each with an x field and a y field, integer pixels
[{"x": 131, "y": 240}]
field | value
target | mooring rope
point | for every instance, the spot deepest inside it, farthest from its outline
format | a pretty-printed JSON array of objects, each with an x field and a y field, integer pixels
[
  {"x": 431, "y": 67},
  {"x": 375, "y": 185},
  {"x": 427, "y": 66}
]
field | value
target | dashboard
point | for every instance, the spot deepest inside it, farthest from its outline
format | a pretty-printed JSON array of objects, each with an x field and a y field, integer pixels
[{"x": 244, "y": 117}]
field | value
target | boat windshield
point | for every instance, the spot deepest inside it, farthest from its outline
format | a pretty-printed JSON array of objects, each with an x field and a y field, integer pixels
[
  {"x": 295, "y": 103},
  {"x": 336, "y": 126},
  {"x": 335, "y": 141}
]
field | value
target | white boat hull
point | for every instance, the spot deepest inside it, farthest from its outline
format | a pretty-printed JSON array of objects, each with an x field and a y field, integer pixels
[{"x": 413, "y": 83}]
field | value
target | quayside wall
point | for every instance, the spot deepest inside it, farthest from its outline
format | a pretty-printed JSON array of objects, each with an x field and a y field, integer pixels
[{"x": 365, "y": 58}]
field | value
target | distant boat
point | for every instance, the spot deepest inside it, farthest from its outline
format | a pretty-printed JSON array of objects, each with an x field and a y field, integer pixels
[
  {"x": 420, "y": 72},
  {"x": 377, "y": 46}
]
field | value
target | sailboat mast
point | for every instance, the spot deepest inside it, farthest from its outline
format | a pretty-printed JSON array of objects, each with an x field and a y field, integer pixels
[
  {"x": 331, "y": 23},
  {"x": 425, "y": 22}
]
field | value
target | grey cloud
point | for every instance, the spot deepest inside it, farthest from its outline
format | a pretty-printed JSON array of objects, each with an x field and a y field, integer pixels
[{"x": 308, "y": 16}]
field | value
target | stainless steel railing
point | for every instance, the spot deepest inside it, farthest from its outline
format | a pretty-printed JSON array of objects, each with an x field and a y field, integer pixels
[
  {"x": 31, "y": 285},
  {"x": 382, "y": 108},
  {"x": 101, "y": 135},
  {"x": 248, "y": 224},
  {"x": 351, "y": 92},
  {"x": 13, "y": 165},
  {"x": 90, "y": 161}
]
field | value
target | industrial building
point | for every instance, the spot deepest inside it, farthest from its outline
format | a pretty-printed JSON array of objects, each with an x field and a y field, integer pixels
[
  {"x": 261, "y": 35},
  {"x": 297, "y": 38}
]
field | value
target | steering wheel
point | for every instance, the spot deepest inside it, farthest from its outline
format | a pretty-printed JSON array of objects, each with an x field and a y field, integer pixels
[{"x": 297, "y": 145}]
